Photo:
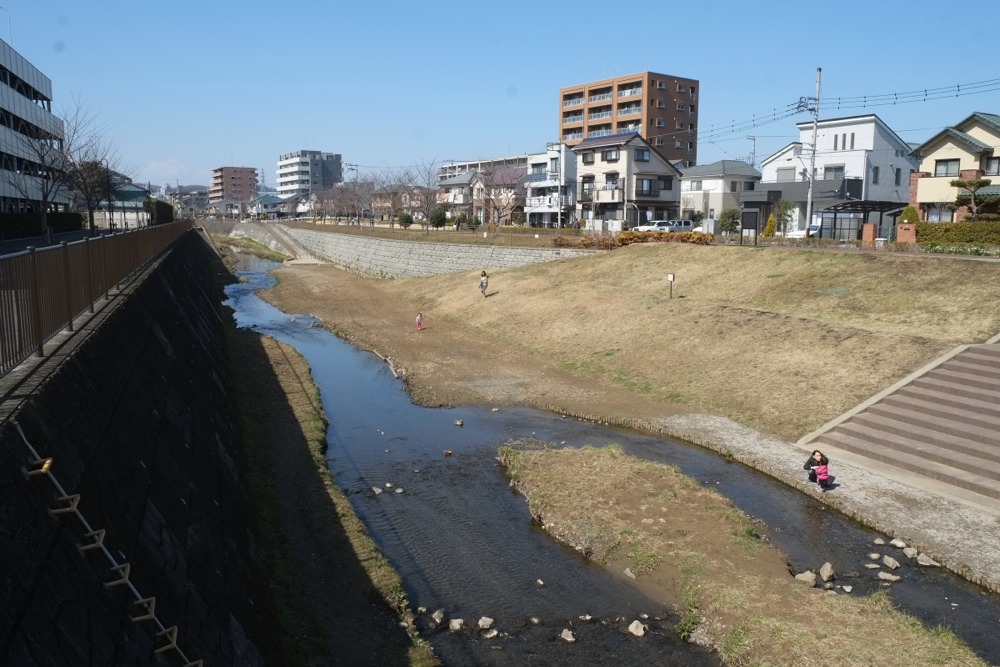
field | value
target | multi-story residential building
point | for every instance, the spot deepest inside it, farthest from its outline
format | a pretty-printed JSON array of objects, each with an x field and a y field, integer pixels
[
  {"x": 455, "y": 194},
  {"x": 861, "y": 167},
  {"x": 550, "y": 195},
  {"x": 308, "y": 172},
  {"x": 966, "y": 151},
  {"x": 30, "y": 139},
  {"x": 453, "y": 168},
  {"x": 623, "y": 182},
  {"x": 662, "y": 108},
  {"x": 236, "y": 184},
  {"x": 712, "y": 188}
]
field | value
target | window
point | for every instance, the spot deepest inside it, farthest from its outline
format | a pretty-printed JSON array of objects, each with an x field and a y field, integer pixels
[
  {"x": 874, "y": 175},
  {"x": 899, "y": 177},
  {"x": 852, "y": 141},
  {"x": 666, "y": 183},
  {"x": 644, "y": 186},
  {"x": 786, "y": 174},
  {"x": 660, "y": 122},
  {"x": 732, "y": 186},
  {"x": 748, "y": 186},
  {"x": 992, "y": 166},
  {"x": 662, "y": 85},
  {"x": 642, "y": 155},
  {"x": 588, "y": 157},
  {"x": 610, "y": 155},
  {"x": 681, "y": 88},
  {"x": 678, "y": 143},
  {"x": 835, "y": 142},
  {"x": 661, "y": 104},
  {"x": 611, "y": 180},
  {"x": 587, "y": 186},
  {"x": 696, "y": 185},
  {"x": 554, "y": 164},
  {"x": 680, "y": 125},
  {"x": 833, "y": 173},
  {"x": 946, "y": 168},
  {"x": 681, "y": 106},
  {"x": 660, "y": 141}
]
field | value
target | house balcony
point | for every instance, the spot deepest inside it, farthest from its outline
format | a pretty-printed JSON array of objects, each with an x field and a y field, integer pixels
[
  {"x": 535, "y": 179},
  {"x": 459, "y": 199},
  {"x": 600, "y": 97},
  {"x": 572, "y": 136},
  {"x": 575, "y": 102},
  {"x": 599, "y": 115},
  {"x": 547, "y": 203},
  {"x": 600, "y": 133},
  {"x": 573, "y": 120},
  {"x": 609, "y": 194}
]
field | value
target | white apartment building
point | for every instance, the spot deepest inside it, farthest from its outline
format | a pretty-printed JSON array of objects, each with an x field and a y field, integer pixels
[
  {"x": 308, "y": 172},
  {"x": 25, "y": 101},
  {"x": 550, "y": 192},
  {"x": 710, "y": 189},
  {"x": 453, "y": 168}
]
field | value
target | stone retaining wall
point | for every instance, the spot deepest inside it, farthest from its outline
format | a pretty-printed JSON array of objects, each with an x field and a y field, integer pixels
[
  {"x": 137, "y": 424},
  {"x": 389, "y": 258}
]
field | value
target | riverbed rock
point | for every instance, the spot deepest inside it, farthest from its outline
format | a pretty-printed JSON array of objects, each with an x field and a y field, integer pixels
[
  {"x": 495, "y": 410},
  {"x": 388, "y": 485},
  {"x": 459, "y": 423},
  {"x": 438, "y": 616},
  {"x": 376, "y": 490},
  {"x": 927, "y": 561},
  {"x": 888, "y": 576},
  {"x": 874, "y": 556},
  {"x": 910, "y": 552},
  {"x": 490, "y": 634},
  {"x": 898, "y": 543},
  {"x": 826, "y": 573},
  {"x": 586, "y": 617},
  {"x": 890, "y": 562},
  {"x": 872, "y": 566},
  {"x": 879, "y": 541},
  {"x": 456, "y": 625},
  {"x": 847, "y": 589},
  {"x": 485, "y": 623},
  {"x": 399, "y": 490},
  {"x": 567, "y": 635},
  {"x": 629, "y": 573},
  {"x": 808, "y": 577},
  {"x": 637, "y": 628}
]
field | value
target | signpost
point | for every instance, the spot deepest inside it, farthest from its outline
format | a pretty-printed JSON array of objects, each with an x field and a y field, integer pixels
[{"x": 670, "y": 279}]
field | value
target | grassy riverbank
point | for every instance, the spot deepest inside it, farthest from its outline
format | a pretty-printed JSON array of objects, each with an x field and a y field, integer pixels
[{"x": 704, "y": 558}]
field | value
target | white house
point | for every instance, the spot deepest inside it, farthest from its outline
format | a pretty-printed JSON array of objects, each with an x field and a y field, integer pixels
[
  {"x": 712, "y": 188},
  {"x": 855, "y": 159},
  {"x": 550, "y": 187}
]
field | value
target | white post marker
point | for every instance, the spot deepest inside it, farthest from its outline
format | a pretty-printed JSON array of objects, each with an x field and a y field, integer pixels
[{"x": 670, "y": 279}]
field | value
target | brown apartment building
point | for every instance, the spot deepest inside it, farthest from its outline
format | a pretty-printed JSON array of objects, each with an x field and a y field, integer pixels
[
  {"x": 233, "y": 184},
  {"x": 662, "y": 108}
]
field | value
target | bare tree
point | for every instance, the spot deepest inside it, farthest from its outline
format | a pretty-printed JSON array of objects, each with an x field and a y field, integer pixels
[
  {"x": 502, "y": 193},
  {"x": 389, "y": 196},
  {"x": 424, "y": 187}
]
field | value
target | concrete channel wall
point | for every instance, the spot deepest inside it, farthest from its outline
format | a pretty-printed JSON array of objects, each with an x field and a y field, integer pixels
[
  {"x": 146, "y": 471},
  {"x": 388, "y": 258}
]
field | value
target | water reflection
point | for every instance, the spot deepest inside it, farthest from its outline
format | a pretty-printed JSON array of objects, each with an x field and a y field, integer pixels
[{"x": 463, "y": 542}]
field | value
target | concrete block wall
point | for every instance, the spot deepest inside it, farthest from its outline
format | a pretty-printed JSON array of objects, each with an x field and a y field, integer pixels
[
  {"x": 387, "y": 258},
  {"x": 137, "y": 422}
]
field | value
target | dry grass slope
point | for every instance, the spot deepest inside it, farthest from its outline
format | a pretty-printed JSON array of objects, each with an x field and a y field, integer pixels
[{"x": 780, "y": 340}]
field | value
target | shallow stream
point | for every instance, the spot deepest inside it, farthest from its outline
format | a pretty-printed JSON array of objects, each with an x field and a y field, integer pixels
[{"x": 463, "y": 542}]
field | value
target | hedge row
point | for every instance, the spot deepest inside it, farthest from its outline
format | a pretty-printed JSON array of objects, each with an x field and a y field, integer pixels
[
  {"x": 630, "y": 237},
  {"x": 982, "y": 232}
]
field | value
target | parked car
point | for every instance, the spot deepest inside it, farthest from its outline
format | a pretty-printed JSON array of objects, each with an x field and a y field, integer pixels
[
  {"x": 654, "y": 226},
  {"x": 680, "y": 225}
]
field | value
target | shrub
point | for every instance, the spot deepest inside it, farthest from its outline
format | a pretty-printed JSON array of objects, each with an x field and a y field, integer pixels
[
  {"x": 405, "y": 220},
  {"x": 770, "y": 227},
  {"x": 909, "y": 216},
  {"x": 729, "y": 221},
  {"x": 983, "y": 232}
]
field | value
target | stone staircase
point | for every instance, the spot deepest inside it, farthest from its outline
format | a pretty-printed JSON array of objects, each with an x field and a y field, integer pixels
[{"x": 941, "y": 425}]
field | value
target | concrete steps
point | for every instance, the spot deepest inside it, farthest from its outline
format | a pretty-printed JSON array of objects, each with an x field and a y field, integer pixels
[{"x": 943, "y": 426}]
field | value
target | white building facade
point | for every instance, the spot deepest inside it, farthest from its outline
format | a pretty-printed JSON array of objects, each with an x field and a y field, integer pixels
[
  {"x": 550, "y": 192},
  {"x": 307, "y": 172},
  {"x": 857, "y": 158}
]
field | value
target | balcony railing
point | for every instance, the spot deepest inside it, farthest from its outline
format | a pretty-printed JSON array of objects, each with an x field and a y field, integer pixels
[
  {"x": 571, "y": 136},
  {"x": 630, "y": 110},
  {"x": 599, "y": 97},
  {"x": 547, "y": 202},
  {"x": 575, "y": 102},
  {"x": 628, "y": 92},
  {"x": 600, "y": 133},
  {"x": 599, "y": 115},
  {"x": 538, "y": 177},
  {"x": 43, "y": 291},
  {"x": 568, "y": 120}
]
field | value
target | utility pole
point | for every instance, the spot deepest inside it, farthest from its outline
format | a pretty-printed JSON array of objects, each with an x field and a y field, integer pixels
[
  {"x": 753, "y": 149},
  {"x": 812, "y": 104}
]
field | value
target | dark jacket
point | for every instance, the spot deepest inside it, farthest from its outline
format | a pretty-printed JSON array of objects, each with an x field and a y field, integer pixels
[{"x": 811, "y": 462}]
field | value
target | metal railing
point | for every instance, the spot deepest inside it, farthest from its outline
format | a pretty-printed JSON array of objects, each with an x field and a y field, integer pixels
[{"x": 43, "y": 290}]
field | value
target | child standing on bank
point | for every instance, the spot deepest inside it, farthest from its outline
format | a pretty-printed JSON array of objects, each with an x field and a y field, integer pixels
[{"x": 420, "y": 322}]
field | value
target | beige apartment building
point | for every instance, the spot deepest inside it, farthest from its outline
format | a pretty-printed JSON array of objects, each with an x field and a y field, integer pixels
[
  {"x": 233, "y": 184},
  {"x": 662, "y": 108}
]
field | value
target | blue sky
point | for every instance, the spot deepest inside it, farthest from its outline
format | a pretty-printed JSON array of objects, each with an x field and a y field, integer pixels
[{"x": 183, "y": 87}]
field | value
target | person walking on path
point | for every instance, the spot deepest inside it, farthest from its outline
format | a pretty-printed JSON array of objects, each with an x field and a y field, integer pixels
[
  {"x": 484, "y": 281},
  {"x": 420, "y": 322}
]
